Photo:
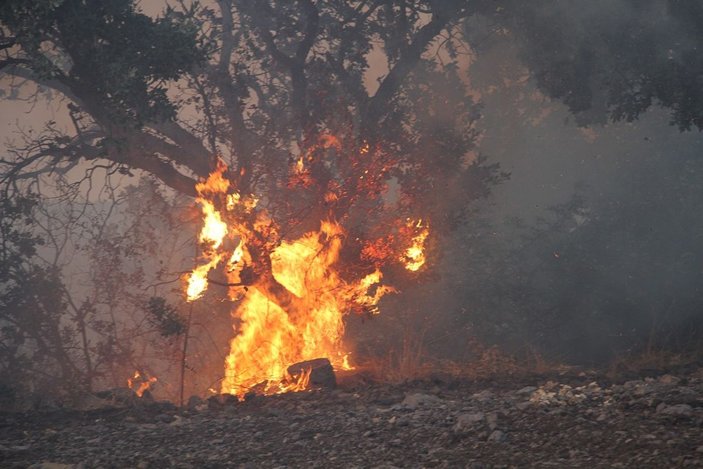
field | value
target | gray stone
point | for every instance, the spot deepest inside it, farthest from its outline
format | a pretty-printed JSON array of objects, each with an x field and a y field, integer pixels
[
  {"x": 468, "y": 420},
  {"x": 492, "y": 420},
  {"x": 527, "y": 390},
  {"x": 413, "y": 401},
  {"x": 195, "y": 403},
  {"x": 483, "y": 396},
  {"x": 684, "y": 410},
  {"x": 669, "y": 379},
  {"x": 51, "y": 465},
  {"x": 523, "y": 405},
  {"x": 118, "y": 396}
]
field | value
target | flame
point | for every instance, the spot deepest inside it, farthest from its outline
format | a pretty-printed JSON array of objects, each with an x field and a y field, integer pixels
[
  {"x": 270, "y": 338},
  {"x": 140, "y": 384},
  {"x": 414, "y": 256},
  {"x": 345, "y": 363},
  {"x": 216, "y": 181},
  {"x": 237, "y": 256},
  {"x": 362, "y": 297},
  {"x": 324, "y": 141},
  {"x": 213, "y": 231},
  {"x": 273, "y": 330},
  {"x": 300, "y": 165},
  {"x": 329, "y": 140},
  {"x": 299, "y": 383},
  {"x": 197, "y": 280}
]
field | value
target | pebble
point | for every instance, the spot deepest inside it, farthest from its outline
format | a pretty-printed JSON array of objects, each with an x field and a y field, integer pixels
[{"x": 641, "y": 423}]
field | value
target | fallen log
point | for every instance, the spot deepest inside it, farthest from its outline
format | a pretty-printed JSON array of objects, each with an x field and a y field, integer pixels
[{"x": 321, "y": 372}]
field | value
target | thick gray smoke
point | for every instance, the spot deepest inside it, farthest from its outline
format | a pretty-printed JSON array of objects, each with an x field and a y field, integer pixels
[{"x": 591, "y": 250}]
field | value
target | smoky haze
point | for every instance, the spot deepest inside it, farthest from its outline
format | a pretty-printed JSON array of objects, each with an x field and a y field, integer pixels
[
  {"x": 590, "y": 251},
  {"x": 586, "y": 249}
]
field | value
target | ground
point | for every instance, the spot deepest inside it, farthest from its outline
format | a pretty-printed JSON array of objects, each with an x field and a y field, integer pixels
[{"x": 580, "y": 420}]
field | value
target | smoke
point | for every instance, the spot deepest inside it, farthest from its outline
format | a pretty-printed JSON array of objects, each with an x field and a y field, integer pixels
[
  {"x": 589, "y": 251},
  {"x": 592, "y": 248}
]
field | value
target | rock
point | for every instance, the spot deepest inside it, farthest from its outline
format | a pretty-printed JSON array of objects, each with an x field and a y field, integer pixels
[
  {"x": 413, "y": 401},
  {"x": 497, "y": 436},
  {"x": 221, "y": 400},
  {"x": 51, "y": 465},
  {"x": 118, "y": 396},
  {"x": 483, "y": 396},
  {"x": 683, "y": 410},
  {"x": 87, "y": 402},
  {"x": 195, "y": 403},
  {"x": 543, "y": 398},
  {"x": 321, "y": 372},
  {"x": 669, "y": 379},
  {"x": 523, "y": 405},
  {"x": 526, "y": 391},
  {"x": 164, "y": 418},
  {"x": 492, "y": 420},
  {"x": 177, "y": 421},
  {"x": 429, "y": 426},
  {"x": 468, "y": 420}
]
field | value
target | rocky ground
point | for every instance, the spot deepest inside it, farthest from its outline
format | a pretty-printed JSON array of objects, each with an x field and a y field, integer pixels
[{"x": 562, "y": 421}]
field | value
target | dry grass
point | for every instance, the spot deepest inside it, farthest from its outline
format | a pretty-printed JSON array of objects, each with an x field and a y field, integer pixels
[
  {"x": 411, "y": 362},
  {"x": 652, "y": 361}
]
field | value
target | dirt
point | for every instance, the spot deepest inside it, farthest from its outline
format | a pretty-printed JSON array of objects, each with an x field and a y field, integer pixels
[{"x": 576, "y": 421}]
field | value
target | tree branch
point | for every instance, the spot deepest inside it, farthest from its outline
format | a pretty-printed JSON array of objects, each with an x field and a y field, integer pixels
[{"x": 409, "y": 58}]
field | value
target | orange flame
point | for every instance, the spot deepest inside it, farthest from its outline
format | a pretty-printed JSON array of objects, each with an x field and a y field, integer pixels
[
  {"x": 140, "y": 384},
  {"x": 270, "y": 335},
  {"x": 414, "y": 256},
  {"x": 271, "y": 338},
  {"x": 213, "y": 231},
  {"x": 299, "y": 383}
]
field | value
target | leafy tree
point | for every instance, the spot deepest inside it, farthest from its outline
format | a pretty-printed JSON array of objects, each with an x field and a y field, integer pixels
[
  {"x": 269, "y": 86},
  {"x": 34, "y": 344},
  {"x": 264, "y": 85},
  {"x": 615, "y": 59}
]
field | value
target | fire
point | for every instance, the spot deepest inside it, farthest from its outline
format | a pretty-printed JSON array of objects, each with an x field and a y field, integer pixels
[
  {"x": 214, "y": 230},
  {"x": 237, "y": 256},
  {"x": 270, "y": 338},
  {"x": 197, "y": 281},
  {"x": 295, "y": 312},
  {"x": 414, "y": 256},
  {"x": 140, "y": 384},
  {"x": 325, "y": 141}
]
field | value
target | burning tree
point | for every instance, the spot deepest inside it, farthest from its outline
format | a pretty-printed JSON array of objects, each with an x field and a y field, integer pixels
[{"x": 320, "y": 176}]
